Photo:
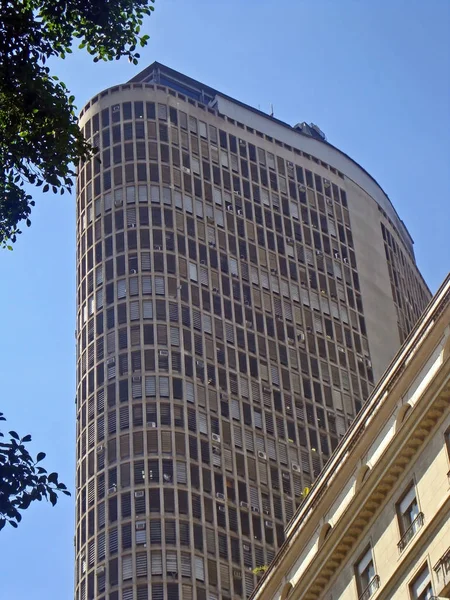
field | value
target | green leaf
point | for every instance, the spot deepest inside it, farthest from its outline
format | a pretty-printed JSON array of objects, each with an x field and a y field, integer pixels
[{"x": 40, "y": 456}]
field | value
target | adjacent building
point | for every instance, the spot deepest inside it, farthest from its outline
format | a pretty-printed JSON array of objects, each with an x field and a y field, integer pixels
[
  {"x": 377, "y": 521},
  {"x": 241, "y": 286}
]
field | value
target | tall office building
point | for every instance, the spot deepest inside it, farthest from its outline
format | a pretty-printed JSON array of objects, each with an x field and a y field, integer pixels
[{"x": 241, "y": 285}]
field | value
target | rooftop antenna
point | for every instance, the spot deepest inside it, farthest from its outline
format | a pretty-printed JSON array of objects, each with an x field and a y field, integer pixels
[{"x": 271, "y": 110}]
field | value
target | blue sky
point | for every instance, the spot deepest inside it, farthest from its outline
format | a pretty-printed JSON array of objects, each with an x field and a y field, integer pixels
[{"x": 373, "y": 75}]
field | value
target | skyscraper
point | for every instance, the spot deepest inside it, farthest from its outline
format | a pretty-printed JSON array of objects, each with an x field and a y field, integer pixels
[{"x": 241, "y": 285}]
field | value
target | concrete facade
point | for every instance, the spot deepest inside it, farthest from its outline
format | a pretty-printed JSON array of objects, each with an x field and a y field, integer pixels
[{"x": 236, "y": 302}]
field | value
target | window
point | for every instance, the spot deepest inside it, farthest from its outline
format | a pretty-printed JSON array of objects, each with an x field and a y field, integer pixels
[
  {"x": 366, "y": 579},
  {"x": 421, "y": 588},
  {"x": 409, "y": 518}
]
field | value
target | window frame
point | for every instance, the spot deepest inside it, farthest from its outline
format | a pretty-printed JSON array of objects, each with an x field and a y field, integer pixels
[
  {"x": 409, "y": 518},
  {"x": 364, "y": 586},
  {"x": 428, "y": 583}
]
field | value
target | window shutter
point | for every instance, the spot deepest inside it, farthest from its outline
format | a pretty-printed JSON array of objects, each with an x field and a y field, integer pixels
[
  {"x": 150, "y": 386},
  {"x": 186, "y": 565},
  {"x": 171, "y": 563},
  {"x": 127, "y": 567},
  {"x": 141, "y": 561},
  {"x": 199, "y": 568},
  {"x": 146, "y": 284},
  {"x": 159, "y": 286},
  {"x": 156, "y": 563}
]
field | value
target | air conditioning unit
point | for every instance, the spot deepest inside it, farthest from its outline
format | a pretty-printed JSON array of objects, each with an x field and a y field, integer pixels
[
  {"x": 100, "y": 570},
  {"x": 216, "y": 451},
  {"x": 132, "y": 225},
  {"x": 243, "y": 504},
  {"x": 118, "y": 202},
  {"x": 266, "y": 389},
  {"x": 112, "y": 489},
  {"x": 212, "y": 244},
  {"x": 268, "y": 524},
  {"x": 220, "y": 496},
  {"x": 111, "y": 361},
  {"x": 336, "y": 254},
  {"x": 203, "y": 262},
  {"x": 290, "y": 340},
  {"x": 221, "y": 508},
  {"x": 239, "y": 211},
  {"x": 242, "y": 142},
  {"x": 255, "y": 509},
  {"x": 262, "y": 454},
  {"x": 215, "y": 290},
  {"x": 246, "y": 547},
  {"x": 346, "y": 261},
  {"x": 210, "y": 219},
  {"x": 329, "y": 202},
  {"x": 152, "y": 424},
  {"x": 319, "y": 252},
  {"x": 296, "y": 467},
  {"x": 100, "y": 448},
  {"x": 140, "y": 526},
  {"x": 215, "y": 437},
  {"x": 237, "y": 574},
  {"x": 285, "y": 476},
  {"x": 186, "y": 170},
  {"x": 139, "y": 494},
  {"x": 301, "y": 337},
  {"x": 136, "y": 378},
  {"x": 163, "y": 353},
  {"x": 229, "y": 207}
]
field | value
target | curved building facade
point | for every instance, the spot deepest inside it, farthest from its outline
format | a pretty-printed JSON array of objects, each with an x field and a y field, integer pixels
[{"x": 241, "y": 285}]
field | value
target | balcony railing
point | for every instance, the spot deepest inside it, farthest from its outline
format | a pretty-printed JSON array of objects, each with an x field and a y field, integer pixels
[
  {"x": 442, "y": 570},
  {"x": 374, "y": 584},
  {"x": 410, "y": 532}
]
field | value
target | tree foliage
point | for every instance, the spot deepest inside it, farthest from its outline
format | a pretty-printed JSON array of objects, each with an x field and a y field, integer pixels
[
  {"x": 22, "y": 479},
  {"x": 39, "y": 137}
]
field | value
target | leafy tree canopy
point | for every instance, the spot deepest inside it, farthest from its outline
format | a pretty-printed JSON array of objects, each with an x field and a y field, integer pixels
[
  {"x": 22, "y": 479},
  {"x": 39, "y": 137}
]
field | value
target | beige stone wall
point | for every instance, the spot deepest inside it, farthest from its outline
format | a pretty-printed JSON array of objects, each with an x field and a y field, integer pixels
[{"x": 397, "y": 570}]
